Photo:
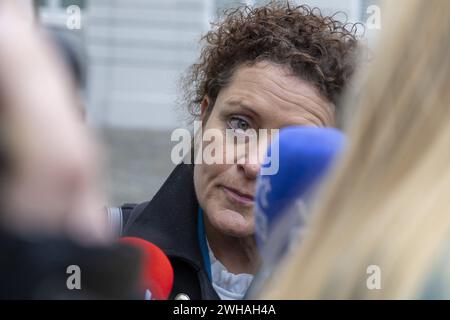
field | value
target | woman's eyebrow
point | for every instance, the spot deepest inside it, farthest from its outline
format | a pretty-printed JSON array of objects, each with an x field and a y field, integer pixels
[{"x": 244, "y": 106}]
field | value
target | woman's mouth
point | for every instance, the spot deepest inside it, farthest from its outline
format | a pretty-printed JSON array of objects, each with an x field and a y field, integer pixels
[{"x": 239, "y": 197}]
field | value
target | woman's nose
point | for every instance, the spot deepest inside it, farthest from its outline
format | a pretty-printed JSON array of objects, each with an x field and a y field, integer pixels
[
  {"x": 252, "y": 163},
  {"x": 250, "y": 170}
]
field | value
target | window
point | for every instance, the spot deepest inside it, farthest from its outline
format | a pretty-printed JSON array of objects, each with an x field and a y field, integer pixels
[
  {"x": 54, "y": 12},
  {"x": 60, "y": 3}
]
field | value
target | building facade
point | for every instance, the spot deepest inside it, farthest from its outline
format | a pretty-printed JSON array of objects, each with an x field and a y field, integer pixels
[{"x": 136, "y": 51}]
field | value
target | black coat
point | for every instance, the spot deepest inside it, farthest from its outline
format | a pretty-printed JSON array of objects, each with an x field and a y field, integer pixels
[
  {"x": 169, "y": 221},
  {"x": 36, "y": 268}
]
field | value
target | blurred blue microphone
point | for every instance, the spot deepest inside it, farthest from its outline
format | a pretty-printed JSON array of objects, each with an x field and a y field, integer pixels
[{"x": 305, "y": 156}]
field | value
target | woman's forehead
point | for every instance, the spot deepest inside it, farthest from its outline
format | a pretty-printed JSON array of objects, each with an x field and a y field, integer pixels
[{"x": 269, "y": 90}]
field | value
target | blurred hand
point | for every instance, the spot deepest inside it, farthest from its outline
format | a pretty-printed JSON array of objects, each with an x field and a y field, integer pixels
[{"x": 52, "y": 187}]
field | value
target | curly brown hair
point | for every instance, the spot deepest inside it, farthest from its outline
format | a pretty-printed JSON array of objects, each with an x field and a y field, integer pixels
[{"x": 318, "y": 49}]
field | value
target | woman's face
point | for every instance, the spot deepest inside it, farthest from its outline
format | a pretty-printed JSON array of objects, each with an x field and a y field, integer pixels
[{"x": 262, "y": 96}]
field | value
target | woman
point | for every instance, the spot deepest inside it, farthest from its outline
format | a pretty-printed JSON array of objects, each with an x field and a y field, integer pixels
[
  {"x": 261, "y": 68},
  {"x": 382, "y": 226}
]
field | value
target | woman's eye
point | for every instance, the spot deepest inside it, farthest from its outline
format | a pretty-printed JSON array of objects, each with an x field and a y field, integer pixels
[{"x": 239, "y": 124}]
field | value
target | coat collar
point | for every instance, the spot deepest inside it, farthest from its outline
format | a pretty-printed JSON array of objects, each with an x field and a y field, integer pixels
[{"x": 170, "y": 219}]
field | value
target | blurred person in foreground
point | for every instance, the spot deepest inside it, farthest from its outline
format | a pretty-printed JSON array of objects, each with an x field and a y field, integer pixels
[
  {"x": 50, "y": 217},
  {"x": 386, "y": 210},
  {"x": 267, "y": 67}
]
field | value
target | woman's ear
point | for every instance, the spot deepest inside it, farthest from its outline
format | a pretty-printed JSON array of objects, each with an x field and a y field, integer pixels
[{"x": 204, "y": 111}]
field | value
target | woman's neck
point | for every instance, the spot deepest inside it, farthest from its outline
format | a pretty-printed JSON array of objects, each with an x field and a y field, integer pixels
[{"x": 238, "y": 255}]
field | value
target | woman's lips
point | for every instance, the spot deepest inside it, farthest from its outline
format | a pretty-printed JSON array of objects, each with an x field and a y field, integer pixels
[{"x": 238, "y": 196}]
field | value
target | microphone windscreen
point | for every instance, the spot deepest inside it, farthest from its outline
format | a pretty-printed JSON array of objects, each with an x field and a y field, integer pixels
[
  {"x": 156, "y": 271},
  {"x": 304, "y": 156}
]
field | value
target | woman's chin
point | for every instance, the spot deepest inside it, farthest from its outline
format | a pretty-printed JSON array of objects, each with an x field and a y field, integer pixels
[{"x": 232, "y": 223}]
